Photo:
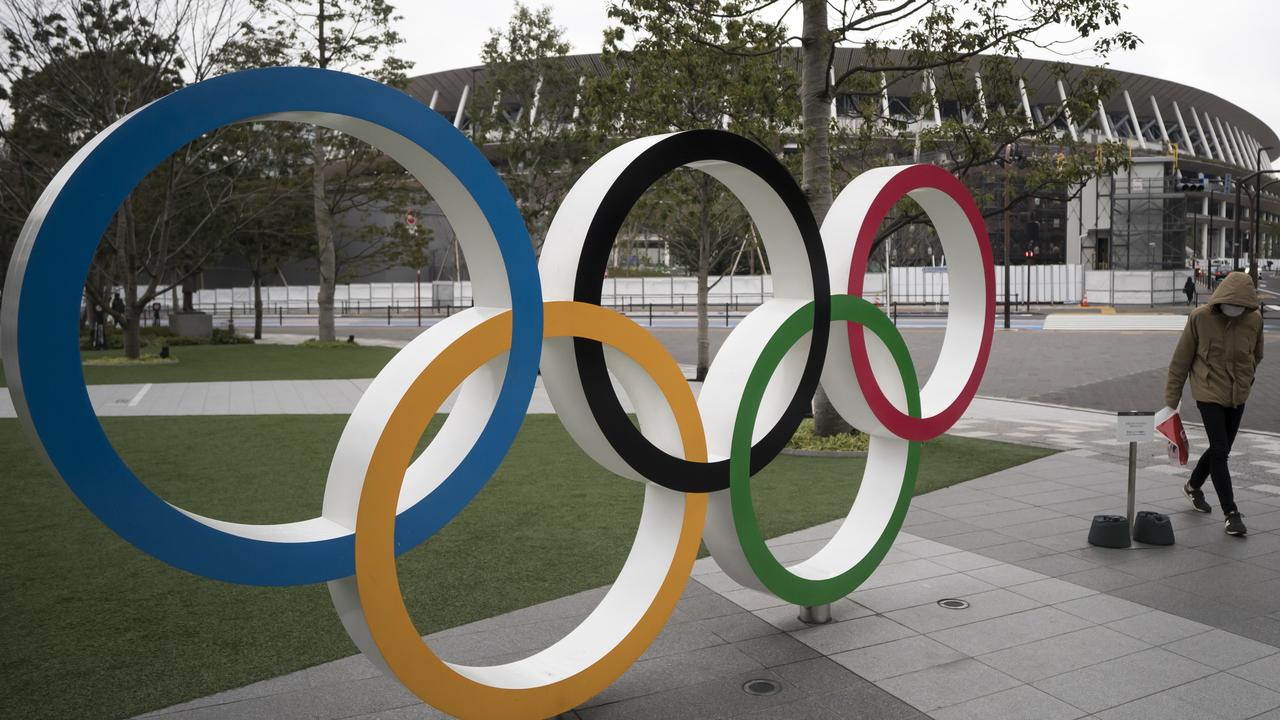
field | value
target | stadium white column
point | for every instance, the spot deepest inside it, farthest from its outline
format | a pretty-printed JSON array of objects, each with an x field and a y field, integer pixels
[
  {"x": 1216, "y": 148},
  {"x": 1221, "y": 138},
  {"x": 1182, "y": 127},
  {"x": 1222, "y": 227},
  {"x": 1164, "y": 132},
  {"x": 884, "y": 97},
  {"x": 831, "y": 83},
  {"x": 462, "y": 106},
  {"x": 1249, "y": 149},
  {"x": 577, "y": 99},
  {"x": 537, "y": 97},
  {"x": 1204, "y": 229},
  {"x": 1066, "y": 111},
  {"x": 1026, "y": 102},
  {"x": 1250, "y": 155},
  {"x": 1133, "y": 120},
  {"x": 1234, "y": 139},
  {"x": 435, "y": 96},
  {"x": 982, "y": 98},
  {"x": 933, "y": 98},
  {"x": 1105, "y": 121}
]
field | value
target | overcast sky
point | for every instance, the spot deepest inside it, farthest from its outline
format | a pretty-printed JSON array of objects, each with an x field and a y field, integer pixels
[{"x": 1227, "y": 47}]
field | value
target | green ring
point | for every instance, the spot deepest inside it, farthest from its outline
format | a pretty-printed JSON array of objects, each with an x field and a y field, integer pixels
[{"x": 780, "y": 581}]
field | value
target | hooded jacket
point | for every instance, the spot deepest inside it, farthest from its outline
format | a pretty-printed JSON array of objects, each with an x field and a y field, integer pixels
[{"x": 1220, "y": 353}]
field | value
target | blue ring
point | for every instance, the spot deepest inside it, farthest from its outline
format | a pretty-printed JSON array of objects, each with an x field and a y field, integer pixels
[{"x": 53, "y": 393}]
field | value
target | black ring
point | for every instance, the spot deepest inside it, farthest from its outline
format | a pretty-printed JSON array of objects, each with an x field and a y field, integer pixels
[{"x": 664, "y": 156}]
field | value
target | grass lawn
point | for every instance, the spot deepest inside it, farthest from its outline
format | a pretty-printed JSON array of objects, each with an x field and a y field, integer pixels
[
  {"x": 208, "y": 363},
  {"x": 94, "y": 628}
]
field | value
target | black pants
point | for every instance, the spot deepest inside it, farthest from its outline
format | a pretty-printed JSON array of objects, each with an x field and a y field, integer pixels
[{"x": 1220, "y": 424}]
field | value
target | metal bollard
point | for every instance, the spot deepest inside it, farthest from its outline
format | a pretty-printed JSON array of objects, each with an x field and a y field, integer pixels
[{"x": 815, "y": 614}]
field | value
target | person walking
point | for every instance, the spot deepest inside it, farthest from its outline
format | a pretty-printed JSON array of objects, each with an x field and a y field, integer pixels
[
  {"x": 1220, "y": 349},
  {"x": 1190, "y": 289},
  {"x": 117, "y": 309},
  {"x": 98, "y": 328}
]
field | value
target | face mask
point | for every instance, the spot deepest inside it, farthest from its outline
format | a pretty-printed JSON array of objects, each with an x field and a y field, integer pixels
[{"x": 1232, "y": 310}]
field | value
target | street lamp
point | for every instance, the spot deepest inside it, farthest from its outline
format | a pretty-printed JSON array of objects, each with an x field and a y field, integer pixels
[
  {"x": 1253, "y": 264},
  {"x": 1257, "y": 208},
  {"x": 1008, "y": 157},
  {"x": 1257, "y": 205}
]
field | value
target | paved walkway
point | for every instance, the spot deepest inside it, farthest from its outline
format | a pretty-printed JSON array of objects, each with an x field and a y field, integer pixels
[
  {"x": 1256, "y": 459},
  {"x": 1055, "y": 629}
]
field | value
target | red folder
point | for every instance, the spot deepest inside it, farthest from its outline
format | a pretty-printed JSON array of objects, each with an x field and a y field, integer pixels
[{"x": 1169, "y": 424}]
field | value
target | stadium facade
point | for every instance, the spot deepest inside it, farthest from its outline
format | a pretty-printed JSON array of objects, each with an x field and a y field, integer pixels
[{"x": 1175, "y": 207}]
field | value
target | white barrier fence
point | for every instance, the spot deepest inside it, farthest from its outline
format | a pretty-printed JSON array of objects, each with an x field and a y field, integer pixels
[
  {"x": 1038, "y": 284},
  {"x": 1035, "y": 284},
  {"x": 1134, "y": 287},
  {"x": 742, "y": 290}
]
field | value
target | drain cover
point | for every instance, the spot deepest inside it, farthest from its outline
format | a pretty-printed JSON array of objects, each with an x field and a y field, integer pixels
[
  {"x": 953, "y": 604},
  {"x": 761, "y": 687}
]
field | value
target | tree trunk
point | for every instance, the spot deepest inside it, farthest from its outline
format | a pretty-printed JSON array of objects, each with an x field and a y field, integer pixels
[
  {"x": 132, "y": 337},
  {"x": 125, "y": 238},
  {"x": 815, "y": 106},
  {"x": 704, "y": 331},
  {"x": 326, "y": 253},
  {"x": 707, "y": 196},
  {"x": 257, "y": 306}
]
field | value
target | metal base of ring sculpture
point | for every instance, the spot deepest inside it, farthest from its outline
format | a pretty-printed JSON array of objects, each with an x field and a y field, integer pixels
[{"x": 695, "y": 457}]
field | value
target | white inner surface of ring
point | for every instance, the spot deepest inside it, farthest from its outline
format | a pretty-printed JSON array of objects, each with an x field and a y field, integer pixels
[
  {"x": 652, "y": 553},
  {"x": 966, "y": 315},
  {"x": 718, "y": 400},
  {"x": 878, "y": 494},
  {"x": 477, "y": 396}
]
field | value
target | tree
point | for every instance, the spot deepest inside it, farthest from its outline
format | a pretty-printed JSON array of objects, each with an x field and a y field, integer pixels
[
  {"x": 526, "y": 114},
  {"x": 347, "y": 175},
  {"x": 922, "y": 40},
  {"x": 662, "y": 82},
  {"x": 274, "y": 214},
  {"x": 70, "y": 70}
]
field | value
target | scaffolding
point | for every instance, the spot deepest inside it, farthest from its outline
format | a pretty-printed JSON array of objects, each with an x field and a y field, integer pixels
[{"x": 1146, "y": 226}]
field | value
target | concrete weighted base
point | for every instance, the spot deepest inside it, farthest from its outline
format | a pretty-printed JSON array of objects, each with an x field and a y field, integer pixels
[
  {"x": 1153, "y": 528},
  {"x": 1110, "y": 531}
]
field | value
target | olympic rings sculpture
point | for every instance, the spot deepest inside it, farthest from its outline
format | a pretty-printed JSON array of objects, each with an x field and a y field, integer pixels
[{"x": 695, "y": 456}]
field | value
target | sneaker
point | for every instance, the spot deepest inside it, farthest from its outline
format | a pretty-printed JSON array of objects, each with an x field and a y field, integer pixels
[
  {"x": 1197, "y": 499},
  {"x": 1235, "y": 525}
]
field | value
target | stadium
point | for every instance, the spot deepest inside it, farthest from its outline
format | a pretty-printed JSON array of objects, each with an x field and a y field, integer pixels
[{"x": 1127, "y": 238}]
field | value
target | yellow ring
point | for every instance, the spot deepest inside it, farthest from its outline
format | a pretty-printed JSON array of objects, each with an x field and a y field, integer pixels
[{"x": 408, "y": 657}]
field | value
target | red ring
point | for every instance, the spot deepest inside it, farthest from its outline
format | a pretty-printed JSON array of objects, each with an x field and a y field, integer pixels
[{"x": 913, "y": 178}]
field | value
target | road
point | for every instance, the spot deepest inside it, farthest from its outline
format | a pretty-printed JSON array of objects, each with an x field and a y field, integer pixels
[{"x": 1098, "y": 370}]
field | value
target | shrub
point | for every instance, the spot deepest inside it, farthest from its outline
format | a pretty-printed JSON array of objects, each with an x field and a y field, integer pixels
[
  {"x": 805, "y": 439},
  {"x": 226, "y": 337},
  {"x": 334, "y": 345},
  {"x": 121, "y": 361}
]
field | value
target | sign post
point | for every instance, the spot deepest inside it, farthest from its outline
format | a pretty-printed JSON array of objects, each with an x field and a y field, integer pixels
[{"x": 1133, "y": 426}]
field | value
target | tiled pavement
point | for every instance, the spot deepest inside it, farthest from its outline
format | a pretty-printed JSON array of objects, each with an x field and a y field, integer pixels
[
  {"x": 1055, "y": 628},
  {"x": 1255, "y": 459}
]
